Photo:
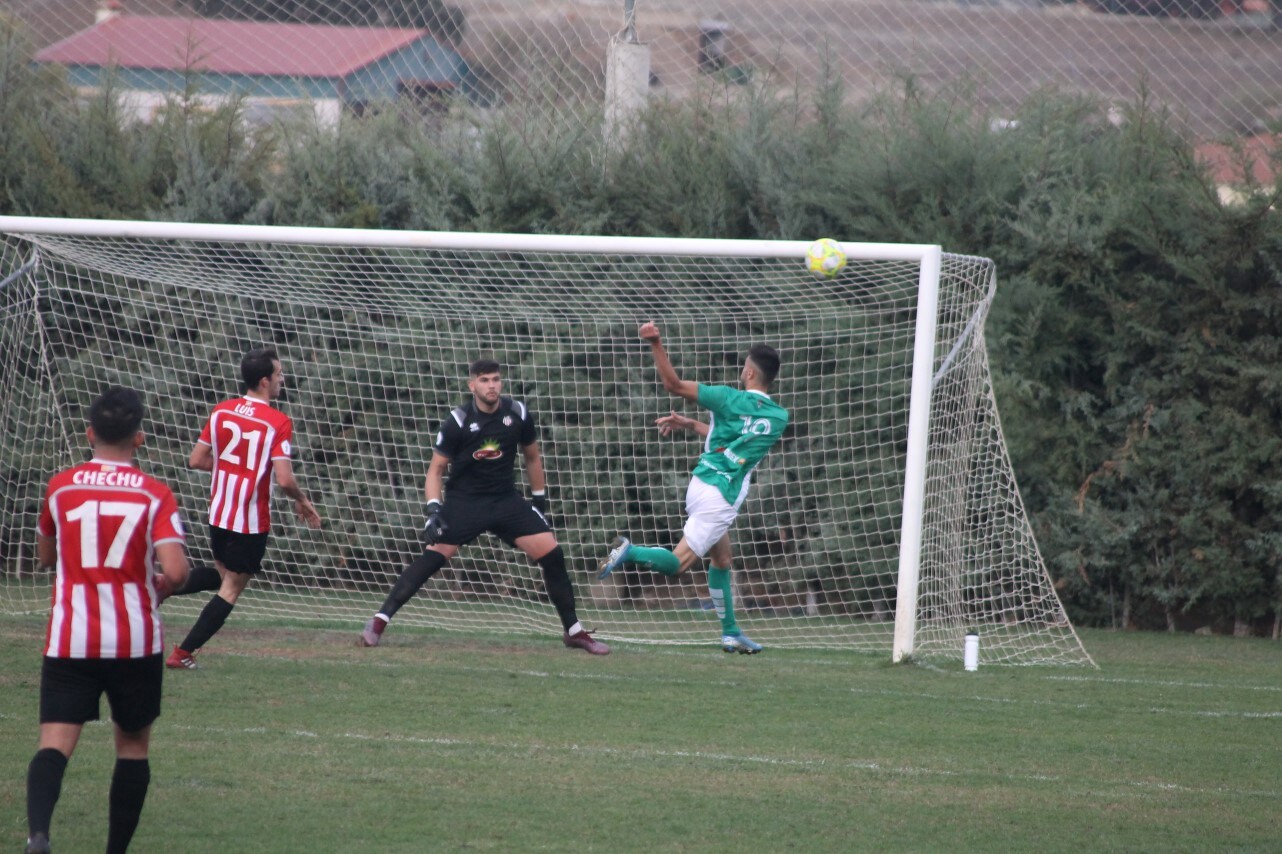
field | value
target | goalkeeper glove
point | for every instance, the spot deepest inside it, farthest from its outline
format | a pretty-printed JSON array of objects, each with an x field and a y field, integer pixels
[
  {"x": 434, "y": 528},
  {"x": 539, "y": 500}
]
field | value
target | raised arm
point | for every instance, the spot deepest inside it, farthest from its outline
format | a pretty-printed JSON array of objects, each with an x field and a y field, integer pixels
[{"x": 667, "y": 374}]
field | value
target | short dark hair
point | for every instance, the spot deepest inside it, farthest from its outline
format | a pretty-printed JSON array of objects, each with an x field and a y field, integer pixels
[
  {"x": 766, "y": 358},
  {"x": 116, "y": 416},
  {"x": 483, "y": 366},
  {"x": 256, "y": 366}
]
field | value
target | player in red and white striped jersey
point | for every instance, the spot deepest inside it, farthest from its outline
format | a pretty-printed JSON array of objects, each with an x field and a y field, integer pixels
[
  {"x": 105, "y": 527},
  {"x": 250, "y": 437},
  {"x": 112, "y": 517},
  {"x": 245, "y": 445}
]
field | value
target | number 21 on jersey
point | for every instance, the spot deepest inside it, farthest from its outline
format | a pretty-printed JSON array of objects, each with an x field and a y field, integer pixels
[{"x": 232, "y": 452}]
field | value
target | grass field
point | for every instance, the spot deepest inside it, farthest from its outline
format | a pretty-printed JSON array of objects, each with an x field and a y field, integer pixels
[{"x": 295, "y": 739}]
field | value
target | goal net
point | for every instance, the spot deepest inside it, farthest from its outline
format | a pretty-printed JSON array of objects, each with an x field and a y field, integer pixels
[{"x": 886, "y": 520}]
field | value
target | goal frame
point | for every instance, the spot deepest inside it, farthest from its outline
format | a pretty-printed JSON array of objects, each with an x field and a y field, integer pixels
[{"x": 927, "y": 257}]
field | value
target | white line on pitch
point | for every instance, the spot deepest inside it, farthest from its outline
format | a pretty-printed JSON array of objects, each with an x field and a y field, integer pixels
[
  {"x": 1015, "y": 701},
  {"x": 1171, "y": 683},
  {"x": 512, "y": 748},
  {"x": 1202, "y": 713}
]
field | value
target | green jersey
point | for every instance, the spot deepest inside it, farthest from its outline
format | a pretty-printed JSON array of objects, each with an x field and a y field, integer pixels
[{"x": 745, "y": 425}]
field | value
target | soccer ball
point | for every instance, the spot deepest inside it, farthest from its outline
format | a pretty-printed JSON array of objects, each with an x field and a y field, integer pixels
[{"x": 825, "y": 258}]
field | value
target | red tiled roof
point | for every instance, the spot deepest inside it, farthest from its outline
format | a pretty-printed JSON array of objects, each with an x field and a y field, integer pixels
[
  {"x": 1225, "y": 163},
  {"x": 229, "y": 47}
]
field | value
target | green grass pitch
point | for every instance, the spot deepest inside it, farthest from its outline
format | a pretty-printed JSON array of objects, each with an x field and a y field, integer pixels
[{"x": 295, "y": 739}]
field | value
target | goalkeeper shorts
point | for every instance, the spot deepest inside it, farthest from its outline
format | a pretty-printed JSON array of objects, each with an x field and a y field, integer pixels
[
  {"x": 709, "y": 516},
  {"x": 507, "y": 516}
]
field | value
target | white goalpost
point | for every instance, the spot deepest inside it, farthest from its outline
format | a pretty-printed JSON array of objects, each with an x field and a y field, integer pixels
[{"x": 887, "y": 519}]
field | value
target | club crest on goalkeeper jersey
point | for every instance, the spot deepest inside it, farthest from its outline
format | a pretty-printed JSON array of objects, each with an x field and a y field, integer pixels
[
  {"x": 245, "y": 435},
  {"x": 745, "y": 425},
  {"x": 482, "y": 446}
]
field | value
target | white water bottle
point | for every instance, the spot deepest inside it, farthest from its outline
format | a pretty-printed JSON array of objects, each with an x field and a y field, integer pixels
[{"x": 970, "y": 657}]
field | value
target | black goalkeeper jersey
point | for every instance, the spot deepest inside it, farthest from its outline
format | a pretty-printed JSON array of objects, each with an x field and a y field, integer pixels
[{"x": 482, "y": 446}]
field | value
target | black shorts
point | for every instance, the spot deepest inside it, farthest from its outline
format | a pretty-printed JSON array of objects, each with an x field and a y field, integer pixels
[
  {"x": 238, "y": 552},
  {"x": 71, "y": 688},
  {"x": 508, "y": 517}
]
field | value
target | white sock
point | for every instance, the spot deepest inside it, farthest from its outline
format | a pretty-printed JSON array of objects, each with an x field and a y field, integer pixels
[{"x": 574, "y": 629}]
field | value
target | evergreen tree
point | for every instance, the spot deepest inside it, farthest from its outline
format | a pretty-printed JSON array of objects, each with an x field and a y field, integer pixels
[{"x": 1134, "y": 338}]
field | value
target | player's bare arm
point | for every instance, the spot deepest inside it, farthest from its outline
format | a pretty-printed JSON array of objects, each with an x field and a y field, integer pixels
[
  {"x": 202, "y": 457},
  {"x": 433, "y": 492},
  {"x": 46, "y": 551},
  {"x": 667, "y": 374},
  {"x": 534, "y": 467},
  {"x": 283, "y": 471},
  {"x": 172, "y": 558},
  {"x": 434, "y": 488},
  {"x": 675, "y": 422}
]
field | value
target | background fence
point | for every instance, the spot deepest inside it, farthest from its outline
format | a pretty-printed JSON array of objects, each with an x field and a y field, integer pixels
[{"x": 1215, "y": 64}]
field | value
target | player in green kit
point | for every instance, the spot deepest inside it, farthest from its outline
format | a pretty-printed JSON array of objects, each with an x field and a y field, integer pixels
[{"x": 744, "y": 425}]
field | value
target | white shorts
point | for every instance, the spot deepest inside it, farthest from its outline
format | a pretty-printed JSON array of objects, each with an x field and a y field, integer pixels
[{"x": 709, "y": 516}]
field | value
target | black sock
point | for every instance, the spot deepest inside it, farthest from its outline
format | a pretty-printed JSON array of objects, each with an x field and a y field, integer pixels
[
  {"x": 44, "y": 785},
  {"x": 202, "y": 578},
  {"x": 412, "y": 578},
  {"x": 211, "y": 619},
  {"x": 128, "y": 791},
  {"x": 557, "y": 583}
]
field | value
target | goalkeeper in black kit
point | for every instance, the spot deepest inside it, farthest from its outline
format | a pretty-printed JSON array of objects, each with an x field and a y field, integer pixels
[{"x": 477, "y": 447}]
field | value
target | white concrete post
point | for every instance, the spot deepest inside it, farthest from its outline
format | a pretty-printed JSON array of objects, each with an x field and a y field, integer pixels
[{"x": 627, "y": 84}]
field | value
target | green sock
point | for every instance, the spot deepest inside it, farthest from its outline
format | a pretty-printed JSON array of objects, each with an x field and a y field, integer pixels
[
  {"x": 722, "y": 599},
  {"x": 660, "y": 560}
]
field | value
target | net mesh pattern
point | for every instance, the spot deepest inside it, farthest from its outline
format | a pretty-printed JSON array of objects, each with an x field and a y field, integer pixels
[
  {"x": 375, "y": 344},
  {"x": 1209, "y": 61}
]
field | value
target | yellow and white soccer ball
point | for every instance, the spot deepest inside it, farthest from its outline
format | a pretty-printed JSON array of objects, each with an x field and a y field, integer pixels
[{"x": 825, "y": 258}]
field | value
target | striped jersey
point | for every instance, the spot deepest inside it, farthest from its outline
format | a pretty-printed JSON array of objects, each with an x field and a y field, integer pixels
[
  {"x": 107, "y": 519},
  {"x": 246, "y": 435}
]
